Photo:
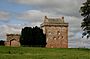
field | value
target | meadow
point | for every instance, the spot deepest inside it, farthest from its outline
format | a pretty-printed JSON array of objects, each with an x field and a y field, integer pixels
[{"x": 43, "y": 53}]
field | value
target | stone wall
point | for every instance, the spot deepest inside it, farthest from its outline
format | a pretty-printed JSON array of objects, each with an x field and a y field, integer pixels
[
  {"x": 57, "y": 37},
  {"x": 13, "y": 40}
]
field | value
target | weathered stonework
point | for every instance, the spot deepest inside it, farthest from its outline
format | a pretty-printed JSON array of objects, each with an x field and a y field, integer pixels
[
  {"x": 13, "y": 40},
  {"x": 56, "y": 31}
]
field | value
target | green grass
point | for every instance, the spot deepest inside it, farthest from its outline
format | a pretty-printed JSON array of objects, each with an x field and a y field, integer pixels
[{"x": 43, "y": 53}]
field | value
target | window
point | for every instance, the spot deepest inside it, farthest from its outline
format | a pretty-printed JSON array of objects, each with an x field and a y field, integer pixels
[
  {"x": 49, "y": 33},
  {"x": 59, "y": 37},
  {"x": 58, "y": 33},
  {"x": 62, "y": 36},
  {"x": 55, "y": 38}
]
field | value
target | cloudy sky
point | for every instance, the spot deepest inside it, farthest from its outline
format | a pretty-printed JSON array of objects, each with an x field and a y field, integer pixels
[{"x": 16, "y": 14}]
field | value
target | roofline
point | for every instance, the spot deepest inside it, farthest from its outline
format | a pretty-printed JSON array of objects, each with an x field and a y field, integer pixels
[
  {"x": 63, "y": 24},
  {"x": 12, "y": 34}
]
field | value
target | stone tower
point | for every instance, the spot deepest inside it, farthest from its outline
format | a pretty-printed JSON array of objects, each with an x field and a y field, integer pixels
[{"x": 56, "y": 31}]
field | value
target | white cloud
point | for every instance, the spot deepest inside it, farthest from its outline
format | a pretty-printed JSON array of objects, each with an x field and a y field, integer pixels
[
  {"x": 33, "y": 15},
  {"x": 9, "y": 29},
  {"x": 28, "y": 1},
  {"x": 13, "y": 29},
  {"x": 4, "y": 15},
  {"x": 64, "y": 7}
]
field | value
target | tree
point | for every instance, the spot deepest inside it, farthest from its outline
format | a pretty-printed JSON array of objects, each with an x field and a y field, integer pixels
[
  {"x": 26, "y": 36},
  {"x": 32, "y": 37},
  {"x": 2, "y": 42},
  {"x": 39, "y": 37},
  {"x": 85, "y": 12}
]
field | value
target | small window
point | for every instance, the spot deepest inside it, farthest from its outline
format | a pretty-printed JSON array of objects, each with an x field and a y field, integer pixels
[
  {"x": 55, "y": 38},
  {"x": 62, "y": 36},
  {"x": 50, "y": 33},
  {"x": 58, "y": 33},
  {"x": 58, "y": 37}
]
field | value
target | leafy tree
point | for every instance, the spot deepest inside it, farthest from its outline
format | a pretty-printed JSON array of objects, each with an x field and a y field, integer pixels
[
  {"x": 85, "y": 12},
  {"x": 32, "y": 37},
  {"x": 26, "y": 36},
  {"x": 39, "y": 37}
]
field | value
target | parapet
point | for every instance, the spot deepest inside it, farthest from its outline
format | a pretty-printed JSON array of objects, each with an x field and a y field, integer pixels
[{"x": 12, "y": 34}]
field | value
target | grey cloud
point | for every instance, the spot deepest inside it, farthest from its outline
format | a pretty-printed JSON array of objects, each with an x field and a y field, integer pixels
[
  {"x": 77, "y": 41},
  {"x": 9, "y": 29},
  {"x": 4, "y": 15},
  {"x": 13, "y": 29},
  {"x": 64, "y": 7},
  {"x": 70, "y": 34},
  {"x": 33, "y": 15}
]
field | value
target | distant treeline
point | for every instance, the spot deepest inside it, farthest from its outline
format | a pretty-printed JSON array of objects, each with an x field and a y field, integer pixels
[
  {"x": 2, "y": 42},
  {"x": 32, "y": 37}
]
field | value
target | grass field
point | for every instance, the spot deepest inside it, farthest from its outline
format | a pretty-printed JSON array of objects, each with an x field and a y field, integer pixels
[{"x": 43, "y": 53}]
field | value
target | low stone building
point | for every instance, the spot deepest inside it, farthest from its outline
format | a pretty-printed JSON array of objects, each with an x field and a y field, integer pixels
[
  {"x": 13, "y": 40},
  {"x": 56, "y": 31}
]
